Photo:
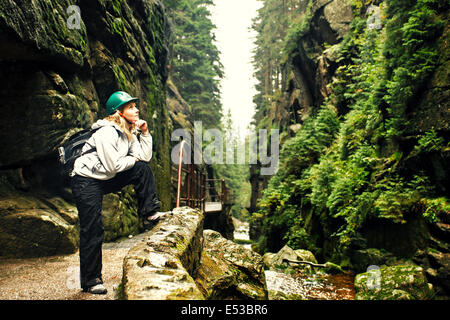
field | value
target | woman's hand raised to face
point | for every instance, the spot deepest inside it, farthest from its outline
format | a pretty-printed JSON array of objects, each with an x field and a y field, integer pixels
[{"x": 142, "y": 125}]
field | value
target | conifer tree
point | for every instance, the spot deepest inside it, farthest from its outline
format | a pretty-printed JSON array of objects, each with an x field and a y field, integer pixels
[{"x": 195, "y": 67}]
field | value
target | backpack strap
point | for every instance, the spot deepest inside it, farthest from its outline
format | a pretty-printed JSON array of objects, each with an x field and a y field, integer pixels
[{"x": 93, "y": 148}]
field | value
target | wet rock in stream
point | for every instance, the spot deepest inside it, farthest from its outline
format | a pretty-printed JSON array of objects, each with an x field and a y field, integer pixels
[
  {"x": 302, "y": 286},
  {"x": 287, "y": 281}
]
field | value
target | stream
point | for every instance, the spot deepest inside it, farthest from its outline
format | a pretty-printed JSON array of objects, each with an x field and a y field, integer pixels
[{"x": 301, "y": 285}]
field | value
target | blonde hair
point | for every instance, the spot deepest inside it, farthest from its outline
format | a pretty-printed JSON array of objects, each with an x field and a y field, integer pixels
[{"x": 123, "y": 124}]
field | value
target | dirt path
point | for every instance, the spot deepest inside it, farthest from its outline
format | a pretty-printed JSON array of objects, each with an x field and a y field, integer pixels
[{"x": 57, "y": 277}]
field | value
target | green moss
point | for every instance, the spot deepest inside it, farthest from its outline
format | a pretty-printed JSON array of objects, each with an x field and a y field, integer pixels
[
  {"x": 183, "y": 294},
  {"x": 118, "y": 27},
  {"x": 391, "y": 283},
  {"x": 333, "y": 268},
  {"x": 435, "y": 208},
  {"x": 344, "y": 170},
  {"x": 117, "y": 7},
  {"x": 120, "y": 77},
  {"x": 120, "y": 293}
]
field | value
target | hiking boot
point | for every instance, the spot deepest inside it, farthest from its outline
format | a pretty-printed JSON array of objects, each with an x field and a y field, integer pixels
[
  {"x": 97, "y": 289},
  {"x": 154, "y": 218},
  {"x": 158, "y": 216}
]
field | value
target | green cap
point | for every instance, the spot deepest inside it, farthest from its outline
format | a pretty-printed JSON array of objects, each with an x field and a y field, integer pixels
[{"x": 116, "y": 100}]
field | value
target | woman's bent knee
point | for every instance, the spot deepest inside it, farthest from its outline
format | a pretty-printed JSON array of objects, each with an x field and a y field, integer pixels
[{"x": 142, "y": 167}]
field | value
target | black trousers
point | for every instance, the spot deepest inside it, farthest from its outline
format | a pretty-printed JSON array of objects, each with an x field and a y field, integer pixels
[{"x": 88, "y": 194}]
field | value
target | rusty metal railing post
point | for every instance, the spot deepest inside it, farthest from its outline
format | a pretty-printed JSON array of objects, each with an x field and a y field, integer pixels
[
  {"x": 204, "y": 192},
  {"x": 180, "y": 164},
  {"x": 222, "y": 196},
  {"x": 197, "y": 185},
  {"x": 189, "y": 184}
]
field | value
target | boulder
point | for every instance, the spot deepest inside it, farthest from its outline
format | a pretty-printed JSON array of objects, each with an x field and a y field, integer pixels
[
  {"x": 275, "y": 261},
  {"x": 363, "y": 258},
  {"x": 32, "y": 227},
  {"x": 401, "y": 282},
  {"x": 305, "y": 255},
  {"x": 339, "y": 15},
  {"x": 441, "y": 264},
  {"x": 281, "y": 286},
  {"x": 267, "y": 260},
  {"x": 229, "y": 270},
  {"x": 162, "y": 265}
]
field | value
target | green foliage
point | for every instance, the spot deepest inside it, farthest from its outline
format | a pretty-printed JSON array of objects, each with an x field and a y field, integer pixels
[
  {"x": 315, "y": 135},
  {"x": 336, "y": 173},
  {"x": 430, "y": 142},
  {"x": 411, "y": 55},
  {"x": 195, "y": 67},
  {"x": 434, "y": 208},
  {"x": 297, "y": 28}
]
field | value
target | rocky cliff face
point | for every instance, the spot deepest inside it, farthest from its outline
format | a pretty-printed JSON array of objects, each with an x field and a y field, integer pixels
[
  {"x": 59, "y": 64},
  {"x": 309, "y": 70},
  {"x": 321, "y": 75}
]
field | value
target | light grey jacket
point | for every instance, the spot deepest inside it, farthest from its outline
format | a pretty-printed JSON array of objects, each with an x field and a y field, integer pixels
[{"x": 113, "y": 154}]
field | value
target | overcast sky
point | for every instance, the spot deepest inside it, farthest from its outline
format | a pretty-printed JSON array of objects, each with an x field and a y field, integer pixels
[{"x": 235, "y": 41}]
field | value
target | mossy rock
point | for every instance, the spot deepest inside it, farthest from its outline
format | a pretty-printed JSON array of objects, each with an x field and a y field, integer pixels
[
  {"x": 161, "y": 267},
  {"x": 392, "y": 283},
  {"x": 332, "y": 268},
  {"x": 30, "y": 227},
  {"x": 229, "y": 270}
]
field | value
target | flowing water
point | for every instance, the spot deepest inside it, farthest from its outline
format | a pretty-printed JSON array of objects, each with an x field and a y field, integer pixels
[
  {"x": 302, "y": 285},
  {"x": 241, "y": 234}
]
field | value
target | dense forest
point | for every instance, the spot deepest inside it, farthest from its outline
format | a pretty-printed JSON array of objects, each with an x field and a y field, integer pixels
[
  {"x": 195, "y": 69},
  {"x": 363, "y": 107},
  {"x": 194, "y": 64}
]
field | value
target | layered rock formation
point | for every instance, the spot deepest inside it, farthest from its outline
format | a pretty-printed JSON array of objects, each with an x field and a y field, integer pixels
[
  {"x": 61, "y": 64},
  {"x": 162, "y": 266},
  {"x": 179, "y": 260},
  {"x": 229, "y": 270}
]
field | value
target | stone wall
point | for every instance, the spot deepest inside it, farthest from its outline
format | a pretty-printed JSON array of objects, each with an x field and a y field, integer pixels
[
  {"x": 56, "y": 80},
  {"x": 162, "y": 265},
  {"x": 178, "y": 260}
]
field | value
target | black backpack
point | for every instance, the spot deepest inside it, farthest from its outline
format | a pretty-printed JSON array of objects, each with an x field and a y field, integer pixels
[{"x": 71, "y": 150}]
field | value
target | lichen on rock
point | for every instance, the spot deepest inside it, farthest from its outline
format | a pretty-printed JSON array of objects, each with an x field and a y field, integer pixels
[
  {"x": 230, "y": 271},
  {"x": 162, "y": 266},
  {"x": 393, "y": 283}
]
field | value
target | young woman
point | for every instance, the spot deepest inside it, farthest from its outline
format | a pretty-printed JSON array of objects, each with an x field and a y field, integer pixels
[{"x": 112, "y": 158}]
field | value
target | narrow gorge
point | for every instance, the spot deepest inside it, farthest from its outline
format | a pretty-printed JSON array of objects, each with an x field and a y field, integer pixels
[{"x": 357, "y": 90}]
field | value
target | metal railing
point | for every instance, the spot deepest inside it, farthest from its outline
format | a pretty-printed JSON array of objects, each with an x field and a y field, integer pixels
[
  {"x": 194, "y": 189},
  {"x": 218, "y": 191},
  {"x": 194, "y": 184}
]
